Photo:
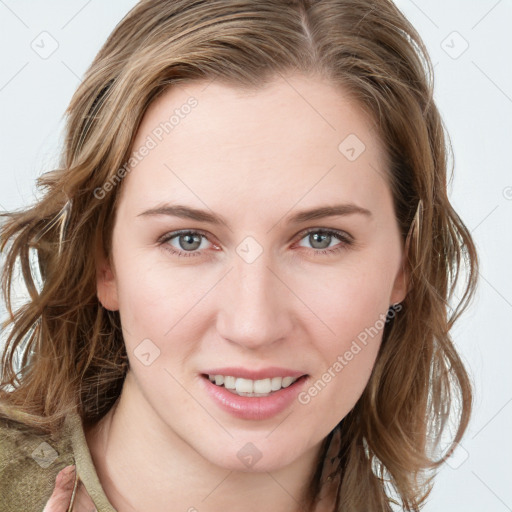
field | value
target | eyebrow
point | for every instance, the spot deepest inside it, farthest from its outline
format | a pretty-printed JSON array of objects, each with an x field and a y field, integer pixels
[{"x": 187, "y": 212}]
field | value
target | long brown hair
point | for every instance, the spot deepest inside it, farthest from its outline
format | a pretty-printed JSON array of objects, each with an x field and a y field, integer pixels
[{"x": 64, "y": 349}]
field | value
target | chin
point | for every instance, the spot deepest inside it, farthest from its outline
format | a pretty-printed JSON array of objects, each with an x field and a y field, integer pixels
[{"x": 251, "y": 459}]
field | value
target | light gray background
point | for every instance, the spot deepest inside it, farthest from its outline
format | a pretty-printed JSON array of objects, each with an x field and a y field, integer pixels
[{"x": 474, "y": 93}]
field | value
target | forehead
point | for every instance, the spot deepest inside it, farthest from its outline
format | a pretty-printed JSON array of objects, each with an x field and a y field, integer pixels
[{"x": 298, "y": 136}]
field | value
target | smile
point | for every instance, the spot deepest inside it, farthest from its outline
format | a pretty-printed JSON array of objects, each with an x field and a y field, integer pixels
[
  {"x": 249, "y": 387},
  {"x": 253, "y": 404}
]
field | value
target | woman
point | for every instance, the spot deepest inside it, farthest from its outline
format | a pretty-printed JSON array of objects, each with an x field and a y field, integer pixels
[{"x": 245, "y": 259}]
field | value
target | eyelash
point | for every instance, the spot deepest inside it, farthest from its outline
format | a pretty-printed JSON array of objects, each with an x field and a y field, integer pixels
[{"x": 340, "y": 235}]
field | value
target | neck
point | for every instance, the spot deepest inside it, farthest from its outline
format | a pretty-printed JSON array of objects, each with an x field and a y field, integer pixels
[{"x": 143, "y": 464}]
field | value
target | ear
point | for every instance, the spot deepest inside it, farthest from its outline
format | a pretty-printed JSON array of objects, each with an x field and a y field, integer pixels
[
  {"x": 402, "y": 279},
  {"x": 106, "y": 284},
  {"x": 402, "y": 284}
]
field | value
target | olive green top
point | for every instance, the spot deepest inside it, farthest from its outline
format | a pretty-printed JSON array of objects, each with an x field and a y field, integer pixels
[{"x": 29, "y": 464}]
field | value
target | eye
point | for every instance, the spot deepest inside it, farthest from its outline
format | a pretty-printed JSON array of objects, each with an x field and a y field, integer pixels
[
  {"x": 184, "y": 243},
  {"x": 321, "y": 239}
]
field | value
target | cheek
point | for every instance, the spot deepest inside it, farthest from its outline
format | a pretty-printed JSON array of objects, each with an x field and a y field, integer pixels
[
  {"x": 153, "y": 298},
  {"x": 349, "y": 299},
  {"x": 353, "y": 305},
  {"x": 347, "y": 364}
]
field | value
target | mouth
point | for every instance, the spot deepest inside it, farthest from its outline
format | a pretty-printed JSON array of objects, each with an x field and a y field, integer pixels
[
  {"x": 253, "y": 388},
  {"x": 269, "y": 392}
]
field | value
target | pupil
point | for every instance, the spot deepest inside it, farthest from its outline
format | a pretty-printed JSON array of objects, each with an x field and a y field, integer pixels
[
  {"x": 321, "y": 237},
  {"x": 189, "y": 239}
]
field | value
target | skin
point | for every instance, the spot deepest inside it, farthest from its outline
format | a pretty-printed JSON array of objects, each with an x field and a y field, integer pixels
[
  {"x": 255, "y": 158},
  {"x": 62, "y": 494}
]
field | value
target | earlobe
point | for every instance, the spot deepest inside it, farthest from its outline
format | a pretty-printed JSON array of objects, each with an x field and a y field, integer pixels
[{"x": 106, "y": 285}]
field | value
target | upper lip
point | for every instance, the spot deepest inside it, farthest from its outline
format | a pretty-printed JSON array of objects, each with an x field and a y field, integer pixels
[{"x": 263, "y": 373}]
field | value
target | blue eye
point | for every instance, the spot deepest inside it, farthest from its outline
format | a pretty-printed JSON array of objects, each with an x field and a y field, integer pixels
[
  {"x": 321, "y": 236},
  {"x": 189, "y": 243}
]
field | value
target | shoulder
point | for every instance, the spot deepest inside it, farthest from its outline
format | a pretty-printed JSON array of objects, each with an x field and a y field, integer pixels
[{"x": 29, "y": 463}]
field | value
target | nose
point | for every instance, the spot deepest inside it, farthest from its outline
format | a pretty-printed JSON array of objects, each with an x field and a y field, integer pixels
[{"x": 255, "y": 308}]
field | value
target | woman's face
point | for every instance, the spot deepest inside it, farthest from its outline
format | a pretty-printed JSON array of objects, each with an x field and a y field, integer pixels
[{"x": 260, "y": 285}]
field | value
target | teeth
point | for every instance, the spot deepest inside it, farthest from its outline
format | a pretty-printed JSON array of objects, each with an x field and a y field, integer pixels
[
  {"x": 249, "y": 387},
  {"x": 287, "y": 381},
  {"x": 276, "y": 383},
  {"x": 229, "y": 382},
  {"x": 244, "y": 386},
  {"x": 262, "y": 386}
]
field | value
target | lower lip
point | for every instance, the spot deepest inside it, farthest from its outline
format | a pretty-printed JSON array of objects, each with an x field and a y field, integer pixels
[{"x": 257, "y": 407}]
